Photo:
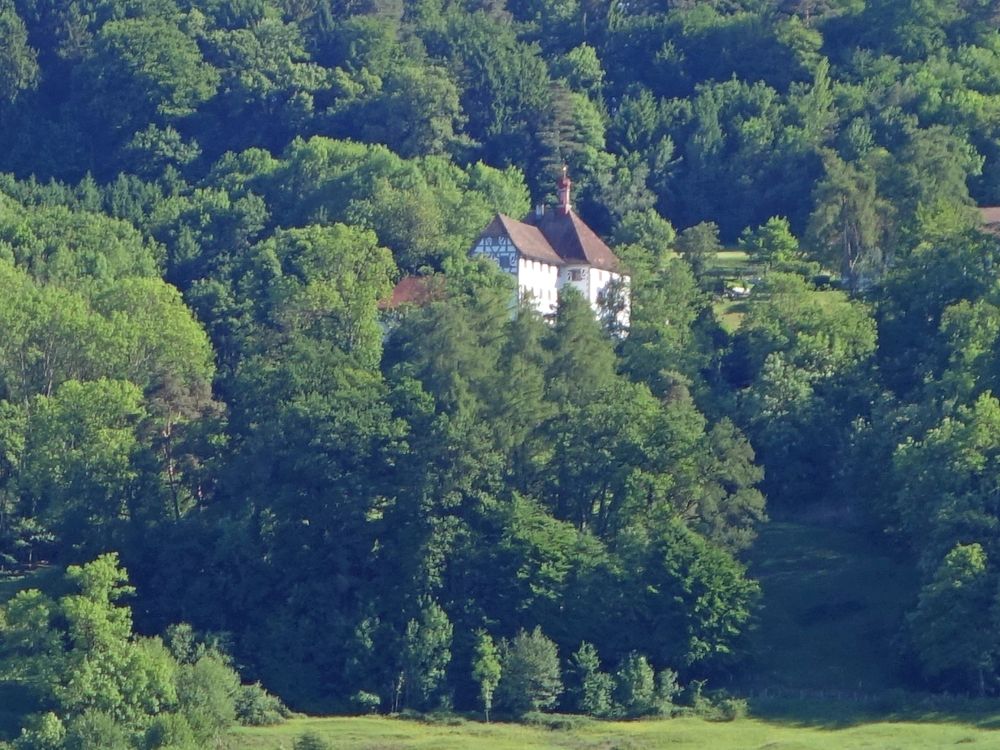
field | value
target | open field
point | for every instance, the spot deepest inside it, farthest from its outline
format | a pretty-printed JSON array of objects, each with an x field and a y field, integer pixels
[
  {"x": 833, "y": 604},
  {"x": 729, "y": 313},
  {"x": 675, "y": 734}
]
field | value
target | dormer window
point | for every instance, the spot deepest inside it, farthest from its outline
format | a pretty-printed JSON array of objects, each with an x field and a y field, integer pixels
[{"x": 576, "y": 274}]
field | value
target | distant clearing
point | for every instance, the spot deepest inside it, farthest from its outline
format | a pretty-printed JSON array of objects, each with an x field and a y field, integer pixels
[
  {"x": 833, "y": 603},
  {"x": 676, "y": 734}
]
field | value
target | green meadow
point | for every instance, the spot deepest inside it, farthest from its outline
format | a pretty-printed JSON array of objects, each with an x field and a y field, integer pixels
[{"x": 675, "y": 734}]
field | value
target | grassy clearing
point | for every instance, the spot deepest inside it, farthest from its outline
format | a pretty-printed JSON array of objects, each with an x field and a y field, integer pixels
[
  {"x": 833, "y": 603},
  {"x": 676, "y": 734},
  {"x": 730, "y": 313},
  {"x": 46, "y": 578}
]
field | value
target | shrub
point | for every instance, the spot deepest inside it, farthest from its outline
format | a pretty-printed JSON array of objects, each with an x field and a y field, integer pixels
[
  {"x": 170, "y": 732},
  {"x": 731, "y": 709},
  {"x": 365, "y": 702},
  {"x": 589, "y": 688},
  {"x": 206, "y": 692},
  {"x": 93, "y": 729},
  {"x": 667, "y": 688},
  {"x": 310, "y": 741},
  {"x": 560, "y": 722},
  {"x": 720, "y": 707},
  {"x": 255, "y": 707},
  {"x": 44, "y": 732}
]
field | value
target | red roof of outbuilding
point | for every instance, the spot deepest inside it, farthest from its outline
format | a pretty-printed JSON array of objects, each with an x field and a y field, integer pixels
[
  {"x": 414, "y": 290},
  {"x": 990, "y": 215}
]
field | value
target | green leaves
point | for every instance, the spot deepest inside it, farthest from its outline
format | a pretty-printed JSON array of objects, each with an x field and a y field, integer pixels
[
  {"x": 486, "y": 669},
  {"x": 79, "y": 463},
  {"x": 531, "y": 679},
  {"x": 104, "y": 685}
]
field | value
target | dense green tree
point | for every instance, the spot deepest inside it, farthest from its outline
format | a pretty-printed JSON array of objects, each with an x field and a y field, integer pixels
[
  {"x": 849, "y": 229},
  {"x": 323, "y": 282},
  {"x": 18, "y": 61},
  {"x": 588, "y": 689},
  {"x": 80, "y": 469},
  {"x": 267, "y": 81},
  {"x": 426, "y": 655},
  {"x": 531, "y": 678},
  {"x": 96, "y": 682},
  {"x": 141, "y": 71},
  {"x": 951, "y": 626},
  {"x": 771, "y": 243},
  {"x": 699, "y": 245},
  {"x": 418, "y": 112},
  {"x": 804, "y": 359},
  {"x": 943, "y": 482}
]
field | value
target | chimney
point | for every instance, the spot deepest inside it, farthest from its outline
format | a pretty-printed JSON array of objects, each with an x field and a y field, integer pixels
[{"x": 564, "y": 186}]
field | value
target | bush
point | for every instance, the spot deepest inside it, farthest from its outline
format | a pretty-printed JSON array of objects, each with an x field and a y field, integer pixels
[
  {"x": 310, "y": 741},
  {"x": 255, "y": 707},
  {"x": 560, "y": 722},
  {"x": 206, "y": 692},
  {"x": 93, "y": 729},
  {"x": 589, "y": 688},
  {"x": 442, "y": 718},
  {"x": 667, "y": 688},
  {"x": 720, "y": 707},
  {"x": 170, "y": 731},
  {"x": 635, "y": 687},
  {"x": 731, "y": 709},
  {"x": 365, "y": 702},
  {"x": 44, "y": 732}
]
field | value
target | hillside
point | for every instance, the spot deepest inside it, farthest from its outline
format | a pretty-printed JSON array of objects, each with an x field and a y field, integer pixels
[
  {"x": 833, "y": 604},
  {"x": 567, "y": 470}
]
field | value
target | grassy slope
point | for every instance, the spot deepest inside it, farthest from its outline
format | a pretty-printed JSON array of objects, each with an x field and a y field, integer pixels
[
  {"x": 676, "y": 734},
  {"x": 833, "y": 603}
]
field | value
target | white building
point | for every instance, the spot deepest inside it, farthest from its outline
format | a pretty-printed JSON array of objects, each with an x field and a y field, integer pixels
[{"x": 553, "y": 249}]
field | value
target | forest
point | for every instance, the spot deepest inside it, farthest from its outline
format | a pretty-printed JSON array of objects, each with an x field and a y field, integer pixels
[{"x": 251, "y": 484}]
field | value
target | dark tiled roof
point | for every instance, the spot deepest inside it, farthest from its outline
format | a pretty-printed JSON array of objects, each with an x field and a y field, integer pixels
[
  {"x": 573, "y": 240},
  {"x": 526, "y": 238},
  {"x": 556, "y": 238}
]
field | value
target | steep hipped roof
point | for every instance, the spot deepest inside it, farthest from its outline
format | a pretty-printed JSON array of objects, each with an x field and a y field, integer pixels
[
  {"x": 573, "y": 240},
  {"x": 527, "y": 239},
  {"x": 556, "y": 238}
]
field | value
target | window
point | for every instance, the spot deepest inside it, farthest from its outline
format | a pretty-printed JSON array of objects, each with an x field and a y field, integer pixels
[{"x": 576, "y": 274}]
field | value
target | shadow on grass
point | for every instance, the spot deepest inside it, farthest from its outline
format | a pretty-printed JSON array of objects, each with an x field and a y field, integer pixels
[
  {"x": 47, "y": 578},
  {"x": 892, "y": 707}
]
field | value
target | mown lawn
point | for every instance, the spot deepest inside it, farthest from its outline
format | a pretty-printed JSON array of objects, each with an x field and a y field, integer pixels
[{"x": 675, "y": 734}]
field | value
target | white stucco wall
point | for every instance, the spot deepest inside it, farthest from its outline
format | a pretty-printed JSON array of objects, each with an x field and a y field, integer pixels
[{"x": 540, "y": 281}]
